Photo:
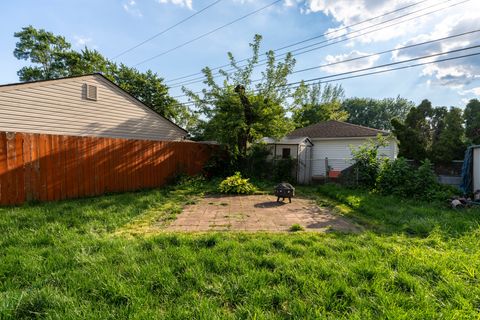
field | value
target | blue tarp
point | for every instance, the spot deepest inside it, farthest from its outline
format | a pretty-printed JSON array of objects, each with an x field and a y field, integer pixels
[{"x": 467, "y": 172}]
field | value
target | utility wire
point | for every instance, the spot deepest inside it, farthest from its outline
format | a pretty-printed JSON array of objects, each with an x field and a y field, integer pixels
[
  {"x": 207, "y": 33},
  {"x": 341, "y": 38},
  {"x": 361, "y": 57},
  {"x": 379, "y": 66},
  {"x": 167, "y": 29},
  {"x": 328, "y": 33}
]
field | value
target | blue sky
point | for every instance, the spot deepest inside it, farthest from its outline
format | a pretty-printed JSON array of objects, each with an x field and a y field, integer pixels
[{"x": 112, "y": 26}]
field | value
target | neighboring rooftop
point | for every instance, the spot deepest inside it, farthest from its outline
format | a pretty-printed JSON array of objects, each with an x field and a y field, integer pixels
[{"x": 336, "y": 129}]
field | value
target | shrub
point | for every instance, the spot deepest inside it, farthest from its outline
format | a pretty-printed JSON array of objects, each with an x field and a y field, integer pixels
[
  {"x": 283, "y": 169},
  {"x": 425, "y": 182},
  {"x": 237, "y": 185},
  {"x": 401, "y": 179},
  {"x": 367, "y": 163},
  {"x": 296, "y": 227},
  {"x": 395, "y": 177}
]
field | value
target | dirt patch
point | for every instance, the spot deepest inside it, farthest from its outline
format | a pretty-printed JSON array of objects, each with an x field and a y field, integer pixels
[{"x": 257, "y": 213}]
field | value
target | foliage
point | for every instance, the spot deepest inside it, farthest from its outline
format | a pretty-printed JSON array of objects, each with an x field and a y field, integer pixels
[
  {"x": 239, "y": 113},
  {"x": 296, "y": 227},
  {"x": 375, "y": 113},
  {"x": 450, "y": 144},
  {"x": 401, "y": 179},
  {"x": 434, "y": 133},
  {"x": 51, "y": 52},
  {"x": 367, "y": 161},
  {"x": 472, "y": 121},
  {"x": 395, "y": 178},
  {"x": 52, "y": 57},
  {"x": 312, "y": 104},
  {"x": 66, "y": 260},
  {"x": 256, "y": 164},
  {"x": 283, "y": 169},
  {"x": 414, "y": 135},
  {"x": 236, "y": 185}
]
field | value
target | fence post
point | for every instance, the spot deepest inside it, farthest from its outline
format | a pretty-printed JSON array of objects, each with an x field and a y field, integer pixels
[{"x": 326, "y": 169}]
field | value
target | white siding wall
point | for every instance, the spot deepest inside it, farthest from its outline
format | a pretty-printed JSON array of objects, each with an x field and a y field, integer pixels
[
  {"x": 476, "y": 169},
  {"x": 60, "y": 107},
  {"x": 338, "y": 152}
]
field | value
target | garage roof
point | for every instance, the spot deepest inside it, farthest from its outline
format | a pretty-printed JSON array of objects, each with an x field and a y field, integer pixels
[{"x": 336, "y": 129}]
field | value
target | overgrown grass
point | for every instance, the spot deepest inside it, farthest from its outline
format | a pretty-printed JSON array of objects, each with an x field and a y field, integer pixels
[{"x": 67, "y": 261}]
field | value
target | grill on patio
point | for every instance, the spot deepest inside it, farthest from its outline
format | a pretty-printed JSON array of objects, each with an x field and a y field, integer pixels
[{"x": 284, "y": 190}]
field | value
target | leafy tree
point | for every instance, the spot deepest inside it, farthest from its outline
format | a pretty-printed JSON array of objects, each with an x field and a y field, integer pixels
[
  {"x": 312, "y": 104},
  {"x": 472, "y": 121},
  {"x": 450, "y": 144},
  {"x": 376, "y": 113},
  {"x": 237, "y": 112},
  {"x": 48, "y": 51},
  {"x": 52, "y": 57},
  {"x": 415, "y": 134}
]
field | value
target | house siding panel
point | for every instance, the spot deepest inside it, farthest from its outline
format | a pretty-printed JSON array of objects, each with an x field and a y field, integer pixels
[
  {"x": 59, "y": 107},
  {"x": 338, "y": 152}
]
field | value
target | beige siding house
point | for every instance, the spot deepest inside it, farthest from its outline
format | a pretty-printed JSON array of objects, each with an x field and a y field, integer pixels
[{"x": 89, "y": 105}]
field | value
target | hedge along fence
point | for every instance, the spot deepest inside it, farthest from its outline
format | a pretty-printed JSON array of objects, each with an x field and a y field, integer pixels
[{"x": 51, "y": 167}]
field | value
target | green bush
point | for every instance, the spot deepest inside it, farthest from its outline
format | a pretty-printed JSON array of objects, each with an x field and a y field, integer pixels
[
  {"x": 283, "y": 169},
  {"x": 237, "y": 185},
  {"x": 296, "y": 227},
  {"x": 401, "y": 179},
  {"x": 367, "y": 163},
  {"x": 395, "y": 178},
  {"x": 425, "y": 182}
]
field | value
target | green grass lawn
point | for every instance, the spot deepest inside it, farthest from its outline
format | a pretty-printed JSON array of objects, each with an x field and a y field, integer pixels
[{"x": 68, "y": 260}]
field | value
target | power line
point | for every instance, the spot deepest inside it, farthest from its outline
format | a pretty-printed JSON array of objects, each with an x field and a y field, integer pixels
[
  {"x": 167, "y": 29},
  {"x": 263, "y": 61},
  {"x": 380, "y": 66},
  {"x": 325, "y": 34},
  {"x": 208, "y": 33},
  {"x": 364, "y": 56},
  {"x": 391, "y": 64}
]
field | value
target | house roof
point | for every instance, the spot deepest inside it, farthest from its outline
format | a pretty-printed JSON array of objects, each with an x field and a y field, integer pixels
[
  {"x": 29, "y": 83},
  {"x": 287, "y": 140},
  {"x": 336, "y": 129}
]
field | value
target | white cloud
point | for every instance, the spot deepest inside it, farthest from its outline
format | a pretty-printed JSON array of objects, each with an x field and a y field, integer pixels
[
  {"x": 351, "y": 65},
  {"x": 474, "y": 91},
  {"x": 182, "y": 3},
  {"x": 348, "y": 12},
  {"x": 454, "y": 73},
  {"x": 81, "y": 41},
  {"x": 130, "y": 6}
]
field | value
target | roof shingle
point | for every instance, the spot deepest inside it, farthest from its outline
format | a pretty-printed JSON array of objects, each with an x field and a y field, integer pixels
[{"x": 336, "y": 129}]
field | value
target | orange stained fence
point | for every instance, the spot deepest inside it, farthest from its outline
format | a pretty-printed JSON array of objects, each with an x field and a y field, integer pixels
[{"x": 51, "y": 167}]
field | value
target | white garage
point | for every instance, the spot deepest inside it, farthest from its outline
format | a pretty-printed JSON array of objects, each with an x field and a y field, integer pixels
[{"x": 333, "y": 142}]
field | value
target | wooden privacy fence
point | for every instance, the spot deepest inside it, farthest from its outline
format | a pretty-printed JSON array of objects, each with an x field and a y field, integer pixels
[{"x": 51, "y": 167}]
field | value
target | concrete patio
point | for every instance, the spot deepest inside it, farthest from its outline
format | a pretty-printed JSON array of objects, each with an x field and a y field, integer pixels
[{"x": 257, "y": 213}]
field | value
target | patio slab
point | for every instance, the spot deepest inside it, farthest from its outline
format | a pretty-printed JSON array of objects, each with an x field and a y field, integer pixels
[{"x": 257, "y": 213}]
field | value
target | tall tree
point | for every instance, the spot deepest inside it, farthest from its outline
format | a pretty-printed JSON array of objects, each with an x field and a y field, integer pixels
[
  {"x": 49, "y": 52},
  {"x": 312, "y": 104},
  {"x": 472, "y": 121},
  {"x": 450, "y": 143},
  {"x": 237, "y": 112},
  {"x": 415, "y": 134},
  {"x": 376, "y": 113},
  {"x": 52, "y": 57}
]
